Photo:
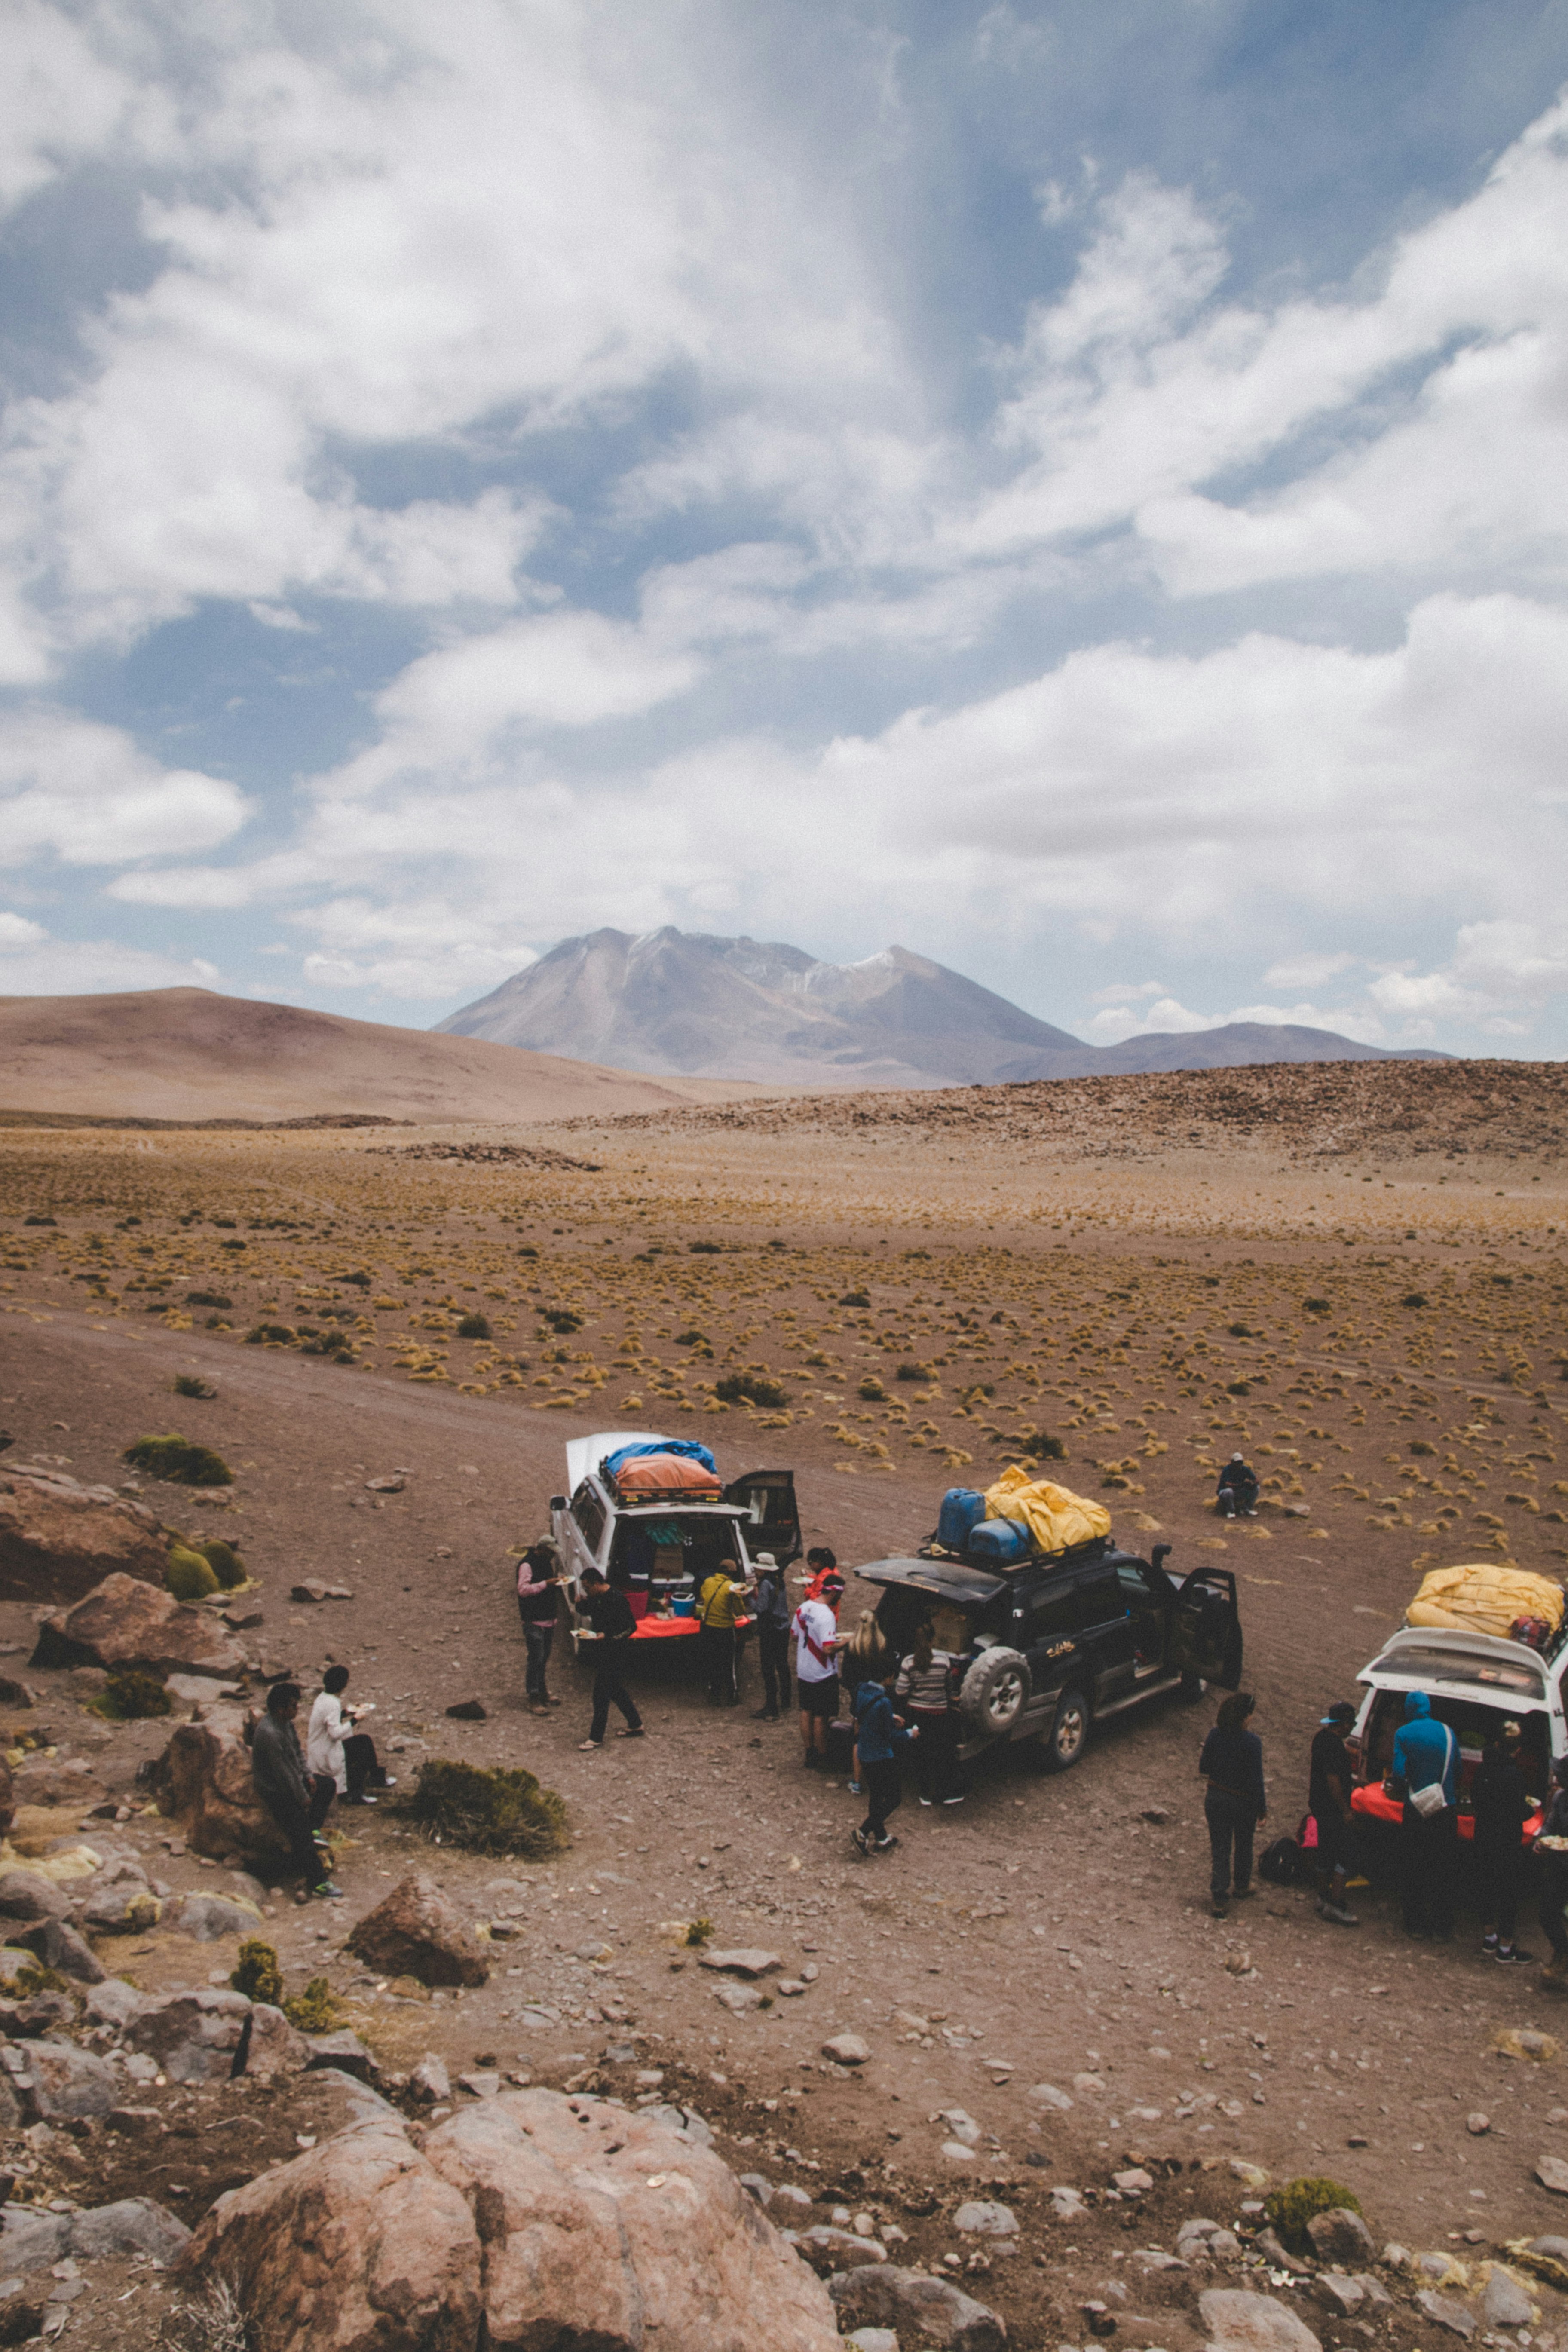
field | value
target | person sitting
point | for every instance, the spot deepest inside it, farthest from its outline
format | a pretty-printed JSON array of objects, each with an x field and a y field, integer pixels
[
  {"x": 1237, "y": 1490},
  {"x": 341, "y": 1758},
  {"x": 288, "y": 1791}
]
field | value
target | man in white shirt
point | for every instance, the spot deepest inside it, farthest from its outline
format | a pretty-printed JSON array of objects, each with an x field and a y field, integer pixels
[{"x": 816, "y": 1649}]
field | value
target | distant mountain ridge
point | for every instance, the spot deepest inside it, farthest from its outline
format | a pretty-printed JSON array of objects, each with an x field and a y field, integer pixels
[{"x": 693, "y": 1004}]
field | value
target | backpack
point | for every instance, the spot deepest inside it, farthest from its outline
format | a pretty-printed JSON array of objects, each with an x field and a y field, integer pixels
[{"x": 1280, "y": 1863}]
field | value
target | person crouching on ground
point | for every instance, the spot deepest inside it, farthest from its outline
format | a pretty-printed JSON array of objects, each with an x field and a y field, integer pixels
[
  {"x": 288, "y": 1791},
  {"x": 924, "y": 1684},
  {"x": 1232, "y": 1764},
  {"x": 1329, "y": 1802},
  {"x": 1237, "y": 1489},
  {"x": 338, "y": 1755},
  {"x": 539, "y": 1582},
  {"x": 609, "y": 1615},
  {"x": 816, "y": 1669},
  {"x": 878, "y": 1736},
  {"x": 1499, "y": 1805}
]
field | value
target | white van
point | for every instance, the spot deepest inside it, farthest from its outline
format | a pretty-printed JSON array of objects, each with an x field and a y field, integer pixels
[{"x": 1476, "y": 1682}]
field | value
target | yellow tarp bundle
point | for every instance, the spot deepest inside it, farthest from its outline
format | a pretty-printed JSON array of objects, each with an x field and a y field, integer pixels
[
  {"x": 1484, "y": 1598},
  {"x": 1054, "y": 1515}
]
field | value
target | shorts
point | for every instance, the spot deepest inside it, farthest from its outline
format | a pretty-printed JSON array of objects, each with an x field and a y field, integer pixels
[{"x": 819, "y": 1699}]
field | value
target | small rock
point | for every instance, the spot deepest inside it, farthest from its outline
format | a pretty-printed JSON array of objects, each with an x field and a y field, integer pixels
[
  {"x": 1278, "y": 2256},
  {"x": 1374, "y": 2293},
  {"x": 429, "y": 2082},
  {"x": 738, "y": 1998},
  {"x": 1340, "y": 2236},
  {"x": 874, "y": 2339},
  {"x": 918, "y": 2308},
  {"x": 841, "y": 2245},
  {"x": 384, "y": 1485},
  {"x": 480, "y": 2084},
  {"x": 1135, "y": 2182},
  {"x": 58, "y": 1945},
  {"x": 1251, "y": 2176},
  {"x": 343, "y": 2052},
  {"x": 208, "y": 1919},
  {"x": 1443, "y": 2312},
  {"x": 1505, "y": 2300},
  {"x": 62, "y": 2083},
  {"x": 135, "y": 2123},
  {"x": 468, "y": 1710},
  {"x": 1045, "y": 2094},
  {"x": 758, "y": 2186},
  {"x": 415, "y": 1932},
  {"x": 1155, "y": 1815},
  {"x": 1476, "y": 2124},
  {"x": 982, "y": 2219},
  {"x": 790, "y": 1988},
  {"x": 788, "y": 2194},
  {"x": 1067, "y": 2204},
  {"x": 956, "y": 2152},
  {"x": 1338, "y": 2293},
  {"x": 745, "y": 1963},
  {"x": 134, "y": 2225},
  {"x": 1551, "y": 2171},
  {"x": 269, "y": 2046},
  {"x": 847, "y": 2050},
  {"x": 1236, "y": 2321}
]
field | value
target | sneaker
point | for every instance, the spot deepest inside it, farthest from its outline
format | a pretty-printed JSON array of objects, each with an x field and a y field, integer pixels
[
  {"x": 860, "y": 1841},
  {"x": 632, "y": 1731},
  {"x": 853, "y": 1787},
  {"x": 886, "y": 1845},
  {"x": 1489, "y": 1943},
  {"x": 1252, "y": 1515},
  {"x": 1337, "y": 1914},
  {"x": 1509, "y": 1953},
  {"x": 926, "y": 1802},
  {"x": 327, "y": 1892},
  {"x": 953, "y": 1801},
  {"x": 389, "y": 1779}
]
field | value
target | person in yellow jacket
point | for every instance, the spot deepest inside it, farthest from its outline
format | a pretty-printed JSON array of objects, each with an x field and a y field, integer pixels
[{"x": 721, "y": 1600}]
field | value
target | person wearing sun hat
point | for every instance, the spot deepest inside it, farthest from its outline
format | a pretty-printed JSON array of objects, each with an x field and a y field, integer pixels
[{"x": 1332, "y": 1777}]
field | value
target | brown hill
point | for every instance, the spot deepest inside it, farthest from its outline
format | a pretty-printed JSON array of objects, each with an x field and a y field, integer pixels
[{"x": 188, "y": 1053}]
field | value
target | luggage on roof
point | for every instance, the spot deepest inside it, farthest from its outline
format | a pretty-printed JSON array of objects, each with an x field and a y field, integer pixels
[
  {"x": 1485, "y": 1597},
  {"x": 1056, "y": 1517},
  {"x": 962, "y": 1512},
  {"x": 656, "y": 1476}
]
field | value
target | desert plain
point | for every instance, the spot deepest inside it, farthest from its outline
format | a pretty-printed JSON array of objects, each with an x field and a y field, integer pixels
[{"x": 1357, "y": 1274}]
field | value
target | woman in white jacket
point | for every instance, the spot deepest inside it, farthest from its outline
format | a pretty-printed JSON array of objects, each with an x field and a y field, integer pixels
[{"x": 336, "y": 1752}]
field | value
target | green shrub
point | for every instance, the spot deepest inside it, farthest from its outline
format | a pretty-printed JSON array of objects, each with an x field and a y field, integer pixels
[
  {"x": 188, "y": 1576},
  {"x": 561, "y": 1318},
  {"x": 207, "y": 1298},
  {"x": 750, "y": 1388},
  {"x": 1042, "y": 1447},
  {"x": 191, "y": 1384},
  {"x": 40, "y": 1979},
  {"x": 1317, "y": 1306},
  {"x": 915, "y": 1371},
  {"x": 314, "y": 2010},
  {"x": 699, "y": 1932},
  {"x": 258, "y": 1976},
  {"x": 224, "y": 1561},
  {"x": 495, "y": 1811},
  {"x": 1414, "y": 1299},
  {"x": 130, "y": 1696},
  {"x": 1291, "y": 2207},
  {"x": 475, "y": 1327},
  {"x": 871, "y": 1390},
  {"x": 176, "y": 1459},
  {"x": 706, "y": 1249},
  {"x": 693, "y": 1338},
  {"x": 855, "y": 1298},
  {"x": 272, "y": 1335}
]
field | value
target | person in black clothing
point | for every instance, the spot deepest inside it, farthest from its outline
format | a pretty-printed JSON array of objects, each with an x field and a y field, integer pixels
[
  {"x": 1329, "y": 1802},
  {"x": 1237, "y": 1489},
  {"x": 287, "y": 1790},
  {"x": 610, "y": 1615},
  {"x": 1501, "y": 1806},
  {"x": 771, "y": 1608},
  {"x": 1555, "y": 1882},
  {"x": 1232, "y": 1764},
  {"x": 538, "y": 1590}
]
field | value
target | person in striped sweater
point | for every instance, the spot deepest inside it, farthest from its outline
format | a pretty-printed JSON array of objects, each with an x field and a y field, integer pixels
[{"x": 925, "y": 1685}]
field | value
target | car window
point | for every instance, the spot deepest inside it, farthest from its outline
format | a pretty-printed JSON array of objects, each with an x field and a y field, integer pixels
[
  {"x": 589, "y": 1514},
  {"x": 1054, "y": 1616},
  {"x": 1100, "y": 1599},
  {"x": 1136, "y": 1582}
]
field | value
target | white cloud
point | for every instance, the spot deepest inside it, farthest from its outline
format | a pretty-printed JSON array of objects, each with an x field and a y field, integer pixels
[
  {"x": 32, "y": 963},
  {"x": 61, "y": 98},
  {"x": 209, "y": 886},
  {"x": 1129, "y": 991},
  {"x": 84, "y": 793},
  {"x": 1307, "y": 970},
  {"x": 1168, "y": 1017},
  {"x": 18, "y": 931}
]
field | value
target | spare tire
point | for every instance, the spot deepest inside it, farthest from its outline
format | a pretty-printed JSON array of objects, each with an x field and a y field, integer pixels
[{"x": 994, "y": 1692}]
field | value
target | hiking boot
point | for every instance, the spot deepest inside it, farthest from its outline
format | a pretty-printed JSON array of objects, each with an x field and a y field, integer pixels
[
  {"x": 1337, "y": 1914},
  {"x": 327, "y": 1892},
  {"x": 1220, "y": 1907},
  {"x": 860, "y": 1841}
]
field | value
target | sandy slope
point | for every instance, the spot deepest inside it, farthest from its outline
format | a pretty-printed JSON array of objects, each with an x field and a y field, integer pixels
[{"x": 188, "y": 1053}]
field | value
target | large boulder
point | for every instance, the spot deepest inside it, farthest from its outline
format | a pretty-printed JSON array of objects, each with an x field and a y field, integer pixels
[
  {"x": 202, "y": 1781},
  {"x": 415, "y": 1932},
  {"x": 358, "y": 2243},
  {"x": 922, "y": 2309},
  {"x": 58, "y": 1539},
  {"x": 58, "y": 2082},
  {"x": 196, "y": 2037},
  {"x": 596, "y": 2224},
  {"x": 126, "y": 1623}
]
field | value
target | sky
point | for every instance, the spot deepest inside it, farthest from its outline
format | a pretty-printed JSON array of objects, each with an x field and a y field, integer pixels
[{"x": 1080, "y": 492}]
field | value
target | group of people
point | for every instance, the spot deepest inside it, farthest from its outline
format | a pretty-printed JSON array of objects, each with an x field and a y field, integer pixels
[
  {"x": 1424, "y": 1778},
  {"x": 299, "y": 1785}
]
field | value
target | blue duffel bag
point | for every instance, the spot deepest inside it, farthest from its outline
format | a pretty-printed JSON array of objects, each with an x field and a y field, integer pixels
[
  {"x": 961, "y": 1511},
  {"x": 1001, "y": 1543}
]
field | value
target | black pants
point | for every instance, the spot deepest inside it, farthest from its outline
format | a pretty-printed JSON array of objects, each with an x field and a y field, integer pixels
[
  {"x": 937, "y": 1772},
  {"x": 1499, "y": 1865},
  {"x": 717, "y": 1643},
  {"x": 1427, "y": 1853},
  {"x": 609, "y": 1689},
  {"x": 323, "y": 1788},
  {"x": 1553, "y": 1900},
  {"x": 772, "y": 1656},
  {"x": 884, "y": 1787},
  {"x": 298, "y": 1823},
  {"x": 1231, "y": 1822},
  {"x": 538, "y": 1636},
  {"x": 362, "y": 1764}
]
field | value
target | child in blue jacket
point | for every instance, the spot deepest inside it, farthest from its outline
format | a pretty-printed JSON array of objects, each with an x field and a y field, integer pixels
[{"x": 878, "y": 1734}]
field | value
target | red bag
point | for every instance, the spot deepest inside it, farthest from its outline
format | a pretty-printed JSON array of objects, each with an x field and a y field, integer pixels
[{"x": 1534, "y": 1632}]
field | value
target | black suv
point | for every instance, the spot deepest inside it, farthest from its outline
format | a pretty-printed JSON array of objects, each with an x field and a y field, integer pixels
[{"x": 1046, "y": 1650}]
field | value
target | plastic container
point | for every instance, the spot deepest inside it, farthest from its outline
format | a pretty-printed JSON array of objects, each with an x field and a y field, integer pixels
[
  {"x": 961, "y": 1511},
  {"x": 1001, "y": 1543},
  {"x": 683, "y": 1608}
]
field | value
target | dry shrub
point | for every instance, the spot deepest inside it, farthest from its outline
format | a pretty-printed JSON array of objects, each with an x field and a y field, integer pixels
[{"x": 489, "y": 1811}]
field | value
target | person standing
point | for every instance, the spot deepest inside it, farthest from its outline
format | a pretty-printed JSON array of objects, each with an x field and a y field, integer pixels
[
  {"x": 925, "y": 1682},
  {"x": 878, "y": 1736},
  {"x": 721, "y": 1600},
  {"x": 1236, "y": 1801},
  {"x": 815, "y": 1629},
  {"x": 610, "y": 1618},
  {"x": 1332, "y": 1777},
  {"x": 1554, "y": 1881},
  {"x": 288, "y": 1791},
  {"x": 770, "y": 1605},
  {"x": 1426, "y": 1759},
  {"x": 1500, "y": 1806},
  {"x": 539, "y": 1584}
]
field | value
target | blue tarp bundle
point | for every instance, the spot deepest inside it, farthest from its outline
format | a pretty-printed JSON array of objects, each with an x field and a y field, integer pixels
[{"x": 687, "y": 1448}]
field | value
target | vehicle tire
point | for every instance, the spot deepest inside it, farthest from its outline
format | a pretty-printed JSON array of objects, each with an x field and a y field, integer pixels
[
  {"x": 1067, "y": 1737},
  {"x": 994, "y": 1692}
]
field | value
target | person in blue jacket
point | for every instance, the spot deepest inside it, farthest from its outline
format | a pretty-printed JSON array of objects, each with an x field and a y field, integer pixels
[
  {"x": 878, "y": 1736},
  {"x": 1426, "y": 1757}
]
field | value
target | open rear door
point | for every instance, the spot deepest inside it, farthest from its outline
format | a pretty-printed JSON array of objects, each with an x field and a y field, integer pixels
[
  {"x": 1206, "y": 1632},
  {"x": 772, "y": 1515}
]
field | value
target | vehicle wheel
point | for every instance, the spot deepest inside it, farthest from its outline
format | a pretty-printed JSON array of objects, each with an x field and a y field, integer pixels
[
  {"x": 1067, "y": 1737},
  {"x": 995, "y": 1693}
]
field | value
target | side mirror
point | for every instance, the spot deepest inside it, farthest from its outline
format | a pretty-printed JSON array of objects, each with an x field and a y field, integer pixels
[
  {"x": 1162, "y": 1554},
  {"x": 558, "y": 1502}
]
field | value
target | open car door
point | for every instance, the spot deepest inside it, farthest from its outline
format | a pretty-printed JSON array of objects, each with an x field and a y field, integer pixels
[
  {"x": 1206, "y": 1631},
  {"x": 772, "y": 1515}
]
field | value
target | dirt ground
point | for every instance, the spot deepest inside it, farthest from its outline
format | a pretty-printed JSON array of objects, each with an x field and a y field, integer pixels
[{"x": 1383, "y": 1335}]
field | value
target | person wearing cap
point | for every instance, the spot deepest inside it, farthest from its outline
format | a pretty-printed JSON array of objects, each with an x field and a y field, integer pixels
[
  {"x": 1500, "y": 1807},
  {"x": 770, "y": 1606},
  {"x": 1554, "y": 1881},
  {"x": 815, "y": 1629},
  {"x": 1332, "y": 1777},
  {"x": 1237, "y": 1489}
]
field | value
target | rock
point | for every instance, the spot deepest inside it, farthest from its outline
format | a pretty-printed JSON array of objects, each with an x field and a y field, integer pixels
[
  {"x": 203, "y": 1782},
  {"x": 67, "y": 1781},
  {"x": 126, "y": 1906},
  {"x": 1045, "y": 2094},
  {"x": 1252, "y": 2177},
  {"x": 392, "y": 1486},
  {"x": 1067, "y": 2204},
  {"x": 598, "y": 2226},
  {"x": 982, "y": 2219},
  {"x": 208, "y": 1919},
  {"x": 342, "y": 2050},
  {"x": 57, "y": 1943},
  {"x": 847, "y": 2050},
  {"x": 31, "y": 2240},
  {"x": 415, "y": 1932},
  {"x": 31, "y": 2019},
  {"x": 1235, "y": 2320},
  {"x": 1278, "y": 2255},
  {"x": 1506, "y": 2301},
  {"x": 1551, "y": 2171},
  {"x": 839, "y": 2245},
  {"x": 134, "y": 2226},
  {"x": 874, "y": 2339},
  {"x": 199, "y": 1690},
  {"x": 136, "y": 2123},
  {"x": 1134, "y": 2182},
  {"x": 125, "y": 1623},
  {"x": 270, "y": 2046},
  {"x": 60, "y": 2083},
  {"x": 743, "y": 1963},
  {"x": 956, "y": 2152},
  {"x": 429, "y": 2081},
  {"x": 358, "y": 2241},
  {"x": 1341, "y": 2236},
  {"x": 919, "y": 2309},
  {"x": 1477, "y": 2123},
  {"x": 27, "y": 1895},
  {"x": 1374, "y": 2292},
  {"x": 1338, "y": 2293},
  {"x": 962, "y": 2125},
  {"x": 1089, "y": 2086},
  {"x": 1443, "y": 2312},
  {"x": 1194, "y": 2235},
  {"x": 739, "y": 1999},
  {"x": 796, "y": 2200},
  {"x": 758, "y": 2185},
  {"x": 58, "y": 1539},
  {"x": 468, "y": 1710},
  {"x": 114, "y": 2003},
  {"x": 193, "y": 2036}
]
